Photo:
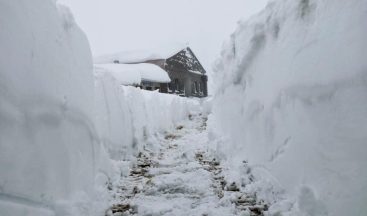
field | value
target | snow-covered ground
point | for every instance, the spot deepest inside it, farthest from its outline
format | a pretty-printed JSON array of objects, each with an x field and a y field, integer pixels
[
  {"x": 286, "y": 131},
  {"x": 291, "y": 99},
  {"x": 182, "y": 177}
]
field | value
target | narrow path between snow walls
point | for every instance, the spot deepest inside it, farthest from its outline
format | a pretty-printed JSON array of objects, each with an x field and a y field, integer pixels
[
  {"x": 291, "y": 100},
  {"x": 182, "y": 176},
  {"x": 289, "y": 113}
]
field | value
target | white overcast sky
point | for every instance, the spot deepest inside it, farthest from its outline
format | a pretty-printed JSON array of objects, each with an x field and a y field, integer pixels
[{"x": 119, "y": 25}]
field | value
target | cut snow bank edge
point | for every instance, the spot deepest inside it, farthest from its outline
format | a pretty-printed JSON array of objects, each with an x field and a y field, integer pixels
[
  {"x": 291, "y": 100},
  {"x": 63, "y": 132}
]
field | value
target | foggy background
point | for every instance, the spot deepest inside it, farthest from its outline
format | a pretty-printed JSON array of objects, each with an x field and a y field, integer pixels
[{"x": 119, "y": 25}]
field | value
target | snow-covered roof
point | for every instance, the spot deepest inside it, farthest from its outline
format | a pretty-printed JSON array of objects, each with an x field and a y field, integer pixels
[
  {"x": 130, "y": 74},
  {"x": 138, "y": 56}
]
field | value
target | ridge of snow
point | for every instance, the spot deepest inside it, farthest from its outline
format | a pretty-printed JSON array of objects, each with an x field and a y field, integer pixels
[
  {"x": 140, "y": 56},
  {"x": 130, "y": 74}
]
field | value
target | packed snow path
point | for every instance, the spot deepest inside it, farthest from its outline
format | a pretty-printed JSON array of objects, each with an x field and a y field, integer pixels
[{"x": 180, "y": 178}]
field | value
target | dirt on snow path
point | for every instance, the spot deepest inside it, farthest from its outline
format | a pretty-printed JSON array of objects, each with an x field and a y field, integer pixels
[{"x": 181, "y": 178}]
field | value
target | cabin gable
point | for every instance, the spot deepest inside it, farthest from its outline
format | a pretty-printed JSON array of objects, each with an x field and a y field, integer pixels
[
  {"x": 184, "y": 61},
  {"x": 187, "y": 74}
]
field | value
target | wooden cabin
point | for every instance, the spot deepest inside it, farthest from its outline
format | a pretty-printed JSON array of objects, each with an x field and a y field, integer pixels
[{"x": 188, "y": 76}]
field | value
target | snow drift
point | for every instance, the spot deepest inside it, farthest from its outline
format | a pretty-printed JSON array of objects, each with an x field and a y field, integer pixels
[
  {"x": 164, "y": 51},
  {"x": 128, "y": 118},
  {"x": 134, "y": 74},
  {"x": 62, "y": 130},
  {"x": 292, "y": 99},
  {"x": 47, "y": 137}
]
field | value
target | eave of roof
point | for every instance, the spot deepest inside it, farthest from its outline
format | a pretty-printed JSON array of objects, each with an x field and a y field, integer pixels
[{"x": 139, "y": 56}]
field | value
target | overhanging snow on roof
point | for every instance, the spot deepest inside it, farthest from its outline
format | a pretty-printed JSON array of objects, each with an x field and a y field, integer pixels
[
  {"x": 131, "y": 74},
  {"x": 139, "y": 56}
]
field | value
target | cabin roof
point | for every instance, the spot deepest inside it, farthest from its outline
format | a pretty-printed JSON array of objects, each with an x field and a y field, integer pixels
[
  {"x": 139, "y": 56},
  {"x": 188, "y": 60},
  {"x": 131, "y": 74}
]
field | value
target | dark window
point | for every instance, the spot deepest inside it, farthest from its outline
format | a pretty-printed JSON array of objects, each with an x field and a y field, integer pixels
[
  {"x": 193, "y": 87},
  {"x": 177, "y": 85}
]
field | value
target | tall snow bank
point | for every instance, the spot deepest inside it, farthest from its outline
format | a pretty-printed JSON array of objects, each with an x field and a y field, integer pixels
[
  {"x": 128, "y": 118},
  {"x": 64, "y": 132},
  {"x": 292, "y": 98},
  {"x": 47, "y": 136}
]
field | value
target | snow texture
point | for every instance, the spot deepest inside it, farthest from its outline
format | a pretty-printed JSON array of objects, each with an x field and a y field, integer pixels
[
  {"x": 182, "y": 177},
  {"x": 138, "y": 56},
  {"x": 120, "y": 74},
  {"x": 48, "y": 142},
  {"x": 130, "y": 74},
  {"x": 64, "y": 132},
  {"x": 291, "y": 100},
  {"x": 128, "y": 117}
]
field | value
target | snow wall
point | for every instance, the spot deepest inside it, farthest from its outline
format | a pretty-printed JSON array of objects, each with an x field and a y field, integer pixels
[
  {"x": 129, "y": 118},
  {"x": 292, "y": 98},
  {"x": 63, "y": 132}
]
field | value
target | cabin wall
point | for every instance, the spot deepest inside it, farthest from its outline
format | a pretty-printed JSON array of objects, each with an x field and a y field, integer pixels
[
  {"x": 163, "y": 88},
  {"x": 178, "y": 80},
  {"x": 183, "y": 82},
  {"x": 204, "y": 80},
  {"x": 194, "y": 85},
  {"x": 186, "y": 83},
  {"x": 179, "y": 67}
]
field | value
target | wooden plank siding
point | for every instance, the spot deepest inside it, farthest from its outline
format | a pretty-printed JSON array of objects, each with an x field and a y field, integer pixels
[
  {"x": 188, "y": 72},
  {"x": 188, "y": 76}
]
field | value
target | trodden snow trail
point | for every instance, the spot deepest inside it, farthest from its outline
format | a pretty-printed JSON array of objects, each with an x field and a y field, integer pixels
[{"x": 181, "y": 178}]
